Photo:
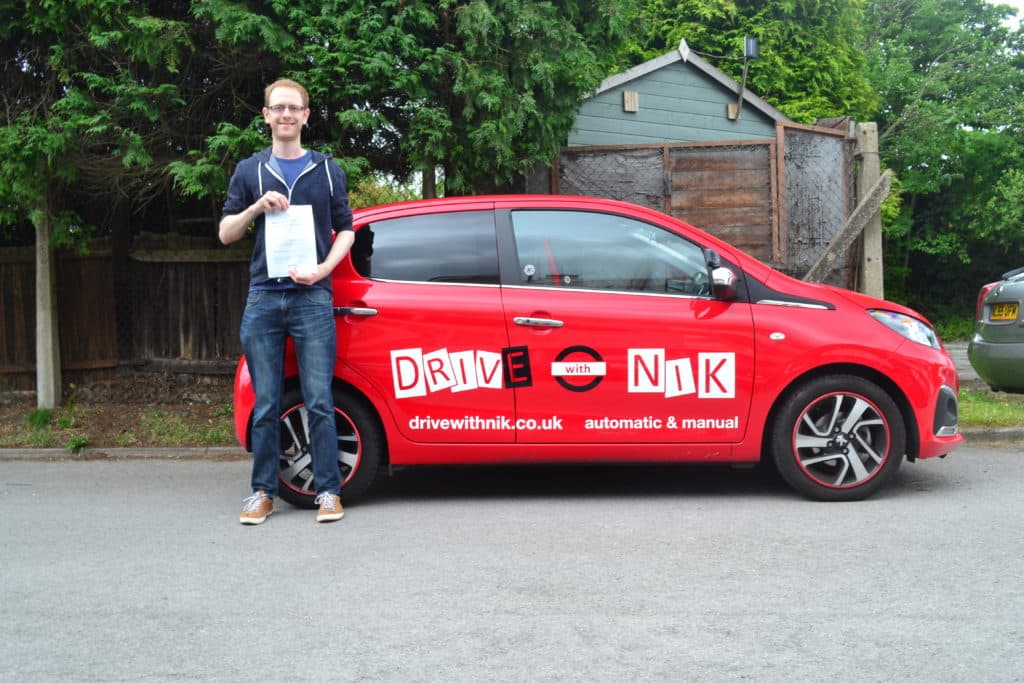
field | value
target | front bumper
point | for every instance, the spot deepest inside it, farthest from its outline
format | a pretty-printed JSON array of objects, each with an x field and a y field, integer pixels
[{"x": 931, "y": 384}]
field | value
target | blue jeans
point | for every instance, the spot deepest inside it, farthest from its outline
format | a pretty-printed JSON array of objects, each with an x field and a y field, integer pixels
[{"x": 307, "y": 316}]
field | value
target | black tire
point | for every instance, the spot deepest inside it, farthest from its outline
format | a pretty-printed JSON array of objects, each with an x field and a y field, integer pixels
[
  {"x": 360, "y": 448},
  {"x": 838, "y": 438}
]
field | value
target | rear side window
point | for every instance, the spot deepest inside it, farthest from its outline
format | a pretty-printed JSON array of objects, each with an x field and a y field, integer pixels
[{"x": 444, "y": 247}]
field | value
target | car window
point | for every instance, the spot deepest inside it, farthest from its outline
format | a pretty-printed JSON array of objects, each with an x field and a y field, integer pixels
[
  {"x": 444, "y": 247},
  {"x": 591, "y": 250}
]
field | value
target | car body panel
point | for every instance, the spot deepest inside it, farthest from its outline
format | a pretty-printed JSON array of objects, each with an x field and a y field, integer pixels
[
  {"x": 454, "y": 378},
  {"x": 792, "y": 344},
  {"x": 615, "y": 377}
]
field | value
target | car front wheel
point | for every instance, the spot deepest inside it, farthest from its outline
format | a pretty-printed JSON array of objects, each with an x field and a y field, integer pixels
[
  {"x": 360, "y": 447},
  {"x": 838, "y": 438}
]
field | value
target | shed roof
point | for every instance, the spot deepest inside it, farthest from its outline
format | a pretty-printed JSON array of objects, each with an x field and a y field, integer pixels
[{"x": 683, "y": 54}]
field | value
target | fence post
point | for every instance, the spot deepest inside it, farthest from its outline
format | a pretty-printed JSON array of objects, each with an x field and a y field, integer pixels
[
  {"x": 872, "y": 276},
  {"x": 48, "y": 370}
]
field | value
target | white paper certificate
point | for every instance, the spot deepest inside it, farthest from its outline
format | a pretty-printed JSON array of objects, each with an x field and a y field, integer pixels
[{"x": 289, "y": 240}]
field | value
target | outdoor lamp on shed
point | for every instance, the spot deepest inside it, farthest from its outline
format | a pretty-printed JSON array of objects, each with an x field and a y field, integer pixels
[{"x": 750, "y": 51}]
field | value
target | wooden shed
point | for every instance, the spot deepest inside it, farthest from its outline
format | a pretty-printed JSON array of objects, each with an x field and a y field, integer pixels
[{"x": 671, "y": 99}]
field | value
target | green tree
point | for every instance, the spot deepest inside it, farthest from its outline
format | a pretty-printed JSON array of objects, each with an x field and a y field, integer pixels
[
  {"x": 811, "y": 61},
  {"x": 84, "y": 86},
  {"x": 950, "y": 75},
  {"x": 484, "y": 89}
]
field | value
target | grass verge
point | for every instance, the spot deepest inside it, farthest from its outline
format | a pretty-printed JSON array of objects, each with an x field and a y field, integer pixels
[
  {"x": 986, "y": 409},
  {"x": 77, "y": 426}
]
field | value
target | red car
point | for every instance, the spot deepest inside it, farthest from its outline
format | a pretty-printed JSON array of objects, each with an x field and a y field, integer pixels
[{"x": 541, "y": 329}]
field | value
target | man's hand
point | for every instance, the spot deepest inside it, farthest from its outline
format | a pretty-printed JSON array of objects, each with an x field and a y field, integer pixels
[
  {"x": 272, "y": 201},
  {"x": 232, "y": 228},
  {"x": 308, "y": 277}
]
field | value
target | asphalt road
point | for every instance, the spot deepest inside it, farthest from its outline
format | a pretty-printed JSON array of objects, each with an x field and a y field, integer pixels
[{"x": 138, "y": 570}]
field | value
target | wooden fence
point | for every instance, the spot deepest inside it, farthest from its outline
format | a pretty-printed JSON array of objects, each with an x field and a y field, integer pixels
[
  {"x": 177, "y": 309},
  {"x": 187, "y": 305}
]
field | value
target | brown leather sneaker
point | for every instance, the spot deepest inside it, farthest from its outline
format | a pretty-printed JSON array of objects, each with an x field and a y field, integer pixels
[
  {"x": 256, "y": 508},
  {"x": 330, "y": 508}
]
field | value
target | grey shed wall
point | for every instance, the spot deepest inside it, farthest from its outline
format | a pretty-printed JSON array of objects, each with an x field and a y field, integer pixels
[{"x": 676, "y": 103}]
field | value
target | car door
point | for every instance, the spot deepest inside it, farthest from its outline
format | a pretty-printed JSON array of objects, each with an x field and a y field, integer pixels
[
  {"x": 424, "y": 325},
  {"x": 623, "y": 340}
]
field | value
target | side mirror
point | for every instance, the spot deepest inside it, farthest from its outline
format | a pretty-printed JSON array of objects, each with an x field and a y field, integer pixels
[
  {"x": 723, "y": 280},
  {"x": 712, "y": 258},
  {"x": 723, "y": 283}
]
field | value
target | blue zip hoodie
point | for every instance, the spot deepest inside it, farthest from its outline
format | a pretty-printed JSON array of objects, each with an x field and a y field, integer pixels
[{"x": 321, "y": 184}]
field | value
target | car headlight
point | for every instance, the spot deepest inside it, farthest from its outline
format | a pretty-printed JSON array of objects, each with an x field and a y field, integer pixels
[{"x": 907, "y": 326}]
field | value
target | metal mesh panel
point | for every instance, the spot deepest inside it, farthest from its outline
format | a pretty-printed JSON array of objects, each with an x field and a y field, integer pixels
[
  {"x": 632, "y": 175},
  {"x": 819, "y": 194}
]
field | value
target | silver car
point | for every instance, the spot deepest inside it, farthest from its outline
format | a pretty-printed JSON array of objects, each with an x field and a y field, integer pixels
[{"x": 997, "y": 349}]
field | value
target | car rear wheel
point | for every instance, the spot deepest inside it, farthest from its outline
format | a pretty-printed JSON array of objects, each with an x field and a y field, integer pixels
[
  {"x": 360, "y": 447},
  {"x": 838, "y": 438}
]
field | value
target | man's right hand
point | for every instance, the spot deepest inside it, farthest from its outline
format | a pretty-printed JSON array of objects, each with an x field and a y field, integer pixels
[
  {"x": 233, "y": 228},
  {"x": 271, "y": 201}
]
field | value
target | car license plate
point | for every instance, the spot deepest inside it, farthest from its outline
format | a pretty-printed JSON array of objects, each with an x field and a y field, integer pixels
[{"x": 1004, "y": 312}]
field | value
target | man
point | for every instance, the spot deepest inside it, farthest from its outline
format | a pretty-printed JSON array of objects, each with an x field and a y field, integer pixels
[{"x": 280, "y": 191}]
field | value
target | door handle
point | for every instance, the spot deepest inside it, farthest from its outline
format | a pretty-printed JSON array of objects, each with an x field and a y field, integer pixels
[
  {"x": 537, "y": 322},
  {"x": 354, "y": 310}
]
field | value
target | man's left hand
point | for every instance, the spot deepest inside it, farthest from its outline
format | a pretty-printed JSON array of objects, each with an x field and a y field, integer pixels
[{"x": 310, "y": 277}]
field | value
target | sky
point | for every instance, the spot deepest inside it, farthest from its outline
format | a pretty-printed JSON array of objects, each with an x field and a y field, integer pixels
[{"x": 1018, "y": 4}]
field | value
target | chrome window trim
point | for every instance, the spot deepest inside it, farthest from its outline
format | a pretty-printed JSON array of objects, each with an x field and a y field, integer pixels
[
  {"x": 553, "y": 288},
  {"x": 428, "y": 282}
]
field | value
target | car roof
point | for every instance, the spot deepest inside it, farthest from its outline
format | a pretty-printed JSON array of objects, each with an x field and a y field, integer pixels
[{"x": 469, "y": 203}]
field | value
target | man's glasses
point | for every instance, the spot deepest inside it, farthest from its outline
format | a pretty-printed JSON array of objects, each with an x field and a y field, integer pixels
[{"x": 290, "y": 108}]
